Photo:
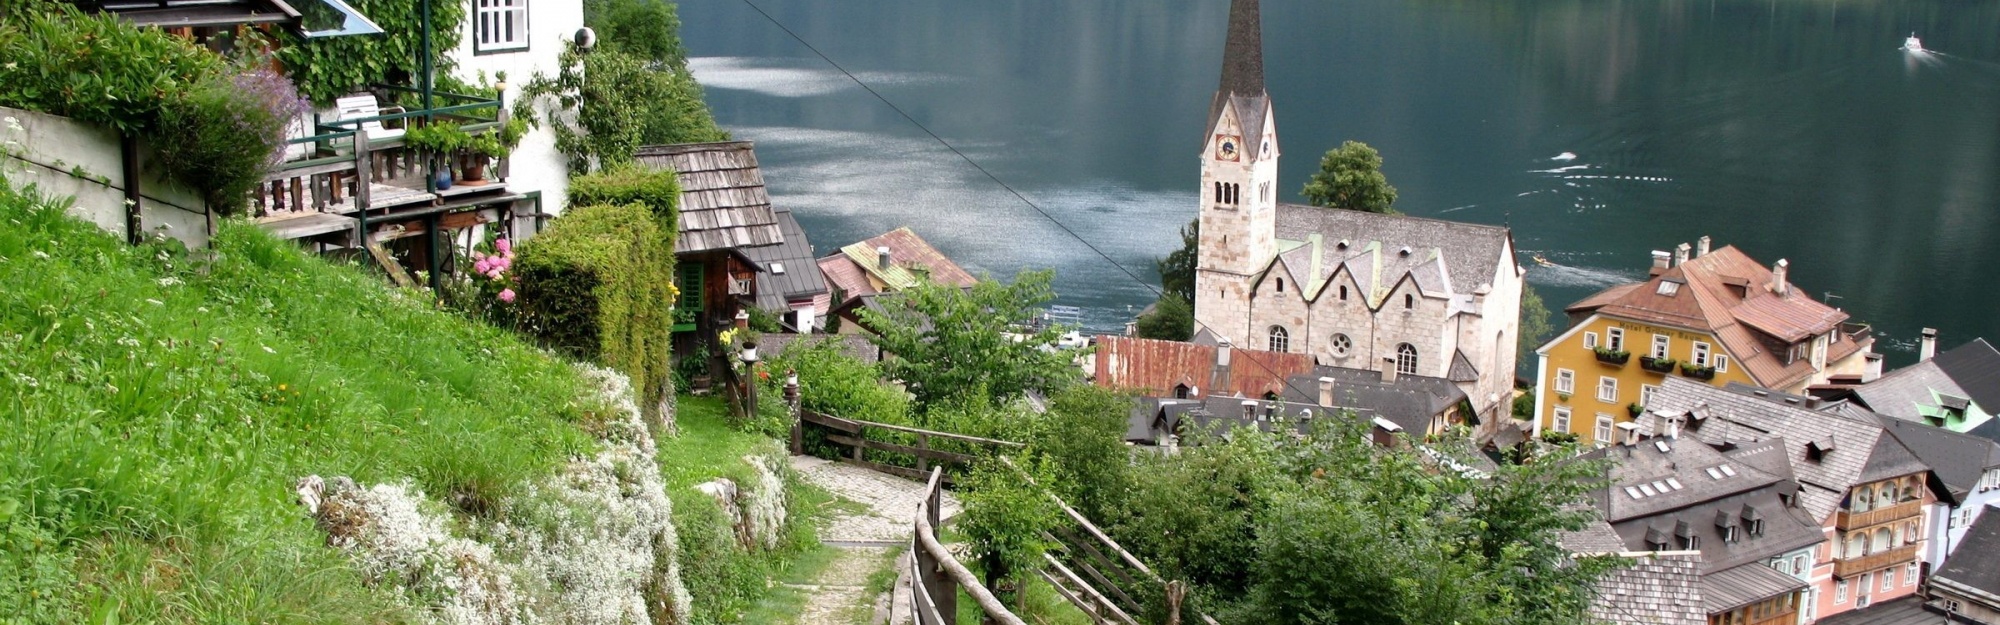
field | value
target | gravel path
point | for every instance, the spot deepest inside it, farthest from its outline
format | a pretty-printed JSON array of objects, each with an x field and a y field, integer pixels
[{"x": 865, "y": 538}]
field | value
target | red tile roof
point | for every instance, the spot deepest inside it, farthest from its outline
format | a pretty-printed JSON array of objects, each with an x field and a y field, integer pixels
[
  {"x": 1729, "y": 294},
  {"x": 1155, "y": 367}
]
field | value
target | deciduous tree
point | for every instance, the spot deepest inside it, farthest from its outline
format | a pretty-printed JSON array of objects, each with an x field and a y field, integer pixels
[
  {"x": 944, "y": 341},
  {"x": 1350, "y": 177}
]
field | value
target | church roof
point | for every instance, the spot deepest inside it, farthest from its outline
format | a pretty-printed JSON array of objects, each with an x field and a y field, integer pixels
[{"x": 1468, "y": 255}]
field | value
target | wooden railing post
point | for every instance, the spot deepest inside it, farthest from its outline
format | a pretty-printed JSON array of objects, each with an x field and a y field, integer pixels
[
  {"x": 792, "y": 402},
  {"x": 923, "y": 463}
]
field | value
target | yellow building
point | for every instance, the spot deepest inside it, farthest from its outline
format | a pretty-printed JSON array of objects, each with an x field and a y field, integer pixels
[{"x": 1719, "y": 317}]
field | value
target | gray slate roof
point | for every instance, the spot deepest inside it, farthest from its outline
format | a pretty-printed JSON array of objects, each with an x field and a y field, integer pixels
[
  {"x": 1957, "y": 459},
  {"x": 1975, "y": 366},
  {"x": 1971, "y": 566},
  {"x": 1727, "y": 418},
  {"x": 1658, "y": 589},
  {"x": 1410, "y": 402},
  {"x": 1472, "y": 252},
  {"x": 1675, "y": 492},
  {"x": 1901, "y": 611},
  {"x": 801, "y": 278},
  {"x": 1900, "y": 393},
  {"x": 1596, "y": 538},
  {"x": 1743, "y": 585},
  {"x": 723, "y": 201}
]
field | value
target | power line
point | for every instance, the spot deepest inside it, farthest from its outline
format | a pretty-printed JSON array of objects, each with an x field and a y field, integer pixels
[{"x": 996, "y": 179}]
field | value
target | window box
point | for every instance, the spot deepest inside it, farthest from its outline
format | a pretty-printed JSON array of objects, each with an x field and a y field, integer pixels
[
  {"x": 1610, "y": 356},
  {"x": 1636, "y": 410},
  {"x": 1697, "y": 371},
  {"x": 1658, "y": 365}
]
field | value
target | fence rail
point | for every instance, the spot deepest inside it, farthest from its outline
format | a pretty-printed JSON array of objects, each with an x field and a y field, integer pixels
[
  {"x": 852, "y": 436},
  {"x": 936, "y": 576}
]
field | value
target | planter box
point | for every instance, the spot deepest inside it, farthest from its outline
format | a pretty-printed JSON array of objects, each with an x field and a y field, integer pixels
[
  {"x": 1614, "y": 358},
  {"x": 1657, "y": 365},
  {"x": 1697, "y": 372}
]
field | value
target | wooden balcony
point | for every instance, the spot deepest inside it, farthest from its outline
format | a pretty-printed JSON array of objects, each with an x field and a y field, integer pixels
[
  {"x": 1844, "y": 520},
  {"x": 1849, "y": 568},
  {"x": 330, "y": 182}
]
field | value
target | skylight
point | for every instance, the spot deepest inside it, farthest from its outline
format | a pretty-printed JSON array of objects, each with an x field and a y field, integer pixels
[
  {"x": 778, "y": 268},
  {"x": 1634, "y": 492},
  {"x": 1674, "y": 483},
  {"x": 1714, "y": 474},
  {"x": 1647, "y": 489},
  {"x": 1669, "y": 288},
  {"x": 1728, "y": 471}
]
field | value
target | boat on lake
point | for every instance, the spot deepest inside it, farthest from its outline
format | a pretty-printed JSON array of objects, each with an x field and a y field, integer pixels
[{"x": 1913, "y": 44}]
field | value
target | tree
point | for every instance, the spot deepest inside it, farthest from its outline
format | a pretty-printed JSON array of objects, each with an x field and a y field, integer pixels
[
  {"x": 1535, "y": 326},
  {"x": 946, "y": 341},
  {"x": 605, "y": 104},
  {"x": 1005, "y": 517},
  {"x": 1082, "y": 436},
  {"x": 1350, "y": 177},
  {"x": 1393, "y": 535},
  {"x": 1172, "y": 319},
  {"x": 1177, "y": 269},
  {"x": 648, "y": 29}
]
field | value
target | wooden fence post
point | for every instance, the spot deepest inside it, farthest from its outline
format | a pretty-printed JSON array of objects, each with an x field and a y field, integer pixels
[{"x": 792, "y": 401}]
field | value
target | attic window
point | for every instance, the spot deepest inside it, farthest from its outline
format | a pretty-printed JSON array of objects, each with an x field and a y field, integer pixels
[
  {"x": 1669, "y": 288},
  {"x": 778, "y": 269},
  {"x": 1403, "y": 252},
  {"x": 1281, "y": 285},
  {"x": 1342, "y": 244},
  {"x": 1180, "y": 391}
]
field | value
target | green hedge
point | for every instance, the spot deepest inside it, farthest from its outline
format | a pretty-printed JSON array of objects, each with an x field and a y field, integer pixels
[
  {"x": 598, "y": 286},
  {"x": 658, "y": 190}
]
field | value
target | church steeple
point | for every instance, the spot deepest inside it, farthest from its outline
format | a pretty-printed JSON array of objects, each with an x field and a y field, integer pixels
[{"x": 1243, "y": 52}]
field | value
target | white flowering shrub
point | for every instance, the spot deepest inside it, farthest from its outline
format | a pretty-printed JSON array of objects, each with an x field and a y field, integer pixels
[
  {"x": 593, "y": 544},
  {"x": 762, "y": 503}
]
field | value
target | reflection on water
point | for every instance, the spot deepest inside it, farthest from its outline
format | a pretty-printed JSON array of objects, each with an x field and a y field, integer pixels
[{"x": 1599, "y": 131}]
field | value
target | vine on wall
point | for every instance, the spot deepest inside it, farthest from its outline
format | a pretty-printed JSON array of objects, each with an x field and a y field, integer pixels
[{"x": 331, "y": 67}]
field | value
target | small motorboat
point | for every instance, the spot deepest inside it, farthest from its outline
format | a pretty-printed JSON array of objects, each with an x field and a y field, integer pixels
[
  {"x": 1913, "y": 44},
  {"x": 1539, "y": 260}
]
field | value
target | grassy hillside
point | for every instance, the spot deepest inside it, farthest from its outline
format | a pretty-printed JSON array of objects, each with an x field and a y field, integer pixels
[{"x": 156, "y": 408}]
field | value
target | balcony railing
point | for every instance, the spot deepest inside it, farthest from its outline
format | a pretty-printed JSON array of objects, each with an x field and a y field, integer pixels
[
  {"x": 342, "y": 170},
  {"x": 1844, "y": 520},
  {"x": 1849, "y": 568}
]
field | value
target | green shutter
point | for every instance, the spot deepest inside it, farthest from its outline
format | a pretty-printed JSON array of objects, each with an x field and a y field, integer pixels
[{"x": 688, "y": 309}]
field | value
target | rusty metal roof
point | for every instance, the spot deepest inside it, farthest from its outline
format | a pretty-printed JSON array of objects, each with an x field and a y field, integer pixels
[{"x": 1155, "y": 367}]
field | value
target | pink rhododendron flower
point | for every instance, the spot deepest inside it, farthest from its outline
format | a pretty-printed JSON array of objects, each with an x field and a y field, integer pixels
[
  {"x": 507, "y": 295},
  {"x": 494, "y": 274},
  {"x": 483, "y": 266},
  {"x": 503, "y": 246}
]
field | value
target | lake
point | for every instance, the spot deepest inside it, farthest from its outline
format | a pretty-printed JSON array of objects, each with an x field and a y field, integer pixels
[{"x": 1792, "y": 129}]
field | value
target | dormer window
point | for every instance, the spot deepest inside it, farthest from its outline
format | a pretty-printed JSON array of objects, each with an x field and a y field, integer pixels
[{"x": 1180, "y": 391}]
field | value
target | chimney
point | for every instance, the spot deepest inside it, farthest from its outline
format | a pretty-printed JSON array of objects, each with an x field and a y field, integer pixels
[
  {"x": 1662, "y": 260},
  {"x": 1222, "y": 354},
  {"x": 1871, "y": 368},
  {"x": 1680, "y": 254},
  {"x": 1927, "y": 344},
  {"x": 1631, "y": 430},
  {"x": 1779, "y": 285},
  {"x": 882, "y": 257},
  {"x": 1249, "y": 410},
  {"x": 1701, "y": 246},
  {"x": 1326, "y": 391},
  {"x": 1388, "y": 369}
]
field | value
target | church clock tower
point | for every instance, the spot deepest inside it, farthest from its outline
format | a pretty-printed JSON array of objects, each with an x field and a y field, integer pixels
[{"x": 1239, "y": 170}]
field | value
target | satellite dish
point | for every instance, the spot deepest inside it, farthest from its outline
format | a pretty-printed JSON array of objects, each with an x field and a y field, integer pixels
[{"x": 586, "y": 38}]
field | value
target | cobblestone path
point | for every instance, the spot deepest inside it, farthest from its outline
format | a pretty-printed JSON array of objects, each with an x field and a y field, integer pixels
[{"x": 864, "y": 538}]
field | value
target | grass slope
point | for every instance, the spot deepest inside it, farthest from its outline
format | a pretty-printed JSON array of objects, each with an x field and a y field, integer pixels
[{"x": 156, "y": 409}]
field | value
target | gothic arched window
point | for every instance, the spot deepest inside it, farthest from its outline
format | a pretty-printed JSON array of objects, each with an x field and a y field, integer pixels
[
  {"x": 1343, "y": 292},
  {"x": 1409, "y": 301},
  {"x": 1406, "y": 359},
  {"x": 1281, "y": 340},
  {"x": 1281, "y": 285},
  {"x": 1218, "y": 193}
]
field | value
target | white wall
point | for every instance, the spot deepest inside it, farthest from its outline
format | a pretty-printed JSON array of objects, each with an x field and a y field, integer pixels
[
  {"x": 63, "y": 157},
  {"x": 535, "y": 164}
]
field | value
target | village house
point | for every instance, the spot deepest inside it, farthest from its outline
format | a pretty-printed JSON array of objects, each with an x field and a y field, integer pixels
[
  {"x": 1967, "y": 586},
  {"x": 1182, "y": 386},
  {"x": 1958, "y": 390},
  {"x": 864, "y": 271},
  {"x": 1719, "y": 317},
  {"x": 1965, "y": 474},
  {"x": 1734, "y": 508},
  {"x": 1354, "y": 289},
  {"x": 1864, "y": 489}
]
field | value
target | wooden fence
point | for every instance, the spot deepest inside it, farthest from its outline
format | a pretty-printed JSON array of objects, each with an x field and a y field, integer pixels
[
  {"x": 936, "y": 576},
  {"x": 851, "y": 436}
]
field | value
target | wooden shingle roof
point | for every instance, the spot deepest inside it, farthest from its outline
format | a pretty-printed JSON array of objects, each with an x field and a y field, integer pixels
[{"x": 723, "y": 201}]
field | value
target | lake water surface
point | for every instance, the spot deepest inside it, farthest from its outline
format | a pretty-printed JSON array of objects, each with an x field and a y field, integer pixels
[{"x": 1791, "y": 128}]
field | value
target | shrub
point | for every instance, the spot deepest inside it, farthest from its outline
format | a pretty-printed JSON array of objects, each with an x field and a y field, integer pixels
[
  {"x": 225, "y": 134},
  {"x": 648, "y": 29},
  {"x": 598, "y": 285},
  {"x": 657, "y": 190},
  {"x": 1172, "y": 319},
  {"x": 606, "y": 104}
]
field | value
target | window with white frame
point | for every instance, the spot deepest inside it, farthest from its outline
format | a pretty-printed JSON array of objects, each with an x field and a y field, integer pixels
[
  {"x": 500, "y": 25},
  {"x": 1562, "y": 419},
  {"x": 1888, "y": 580},
  {"x": 1662, "y": 345},
  {"x": 1614, "y": 338},
  {"x": 1590, "y": 340},
  {"x": 1799, "y": 564},
  {"x": 1840, "y": 591},
  {"x": 1406, "y": 359},
  {"x": 1646, "y": 393},
  {"x": 1566, "y": 381},
  {"x": 1603, "y": 431},
  {"x": 1607, "y": 389},
  {"x": 1910, "y": 574},
  {"x": 1721, "y": 363},
  {"x": 1781, "y": 566},
  {"x": 1700, "y": 358}
]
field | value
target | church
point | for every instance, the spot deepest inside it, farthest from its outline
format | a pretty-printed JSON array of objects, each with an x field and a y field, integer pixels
[{"x": 1392, "y": 293}]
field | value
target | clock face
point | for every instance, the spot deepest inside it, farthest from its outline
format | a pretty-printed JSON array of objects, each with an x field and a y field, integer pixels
[{"x": 1226, "y": 147}]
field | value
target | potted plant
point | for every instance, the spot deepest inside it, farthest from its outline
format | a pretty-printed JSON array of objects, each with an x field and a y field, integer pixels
[
  {"x": 1635, "y": 409},
  {"x": 437, "y": 140},
  {"x": 482, "y": 150},
  {"x": 1610, "y": 356},
  {"x": 1657, "y": 365},
  {"x": 1697, "y": 371}
]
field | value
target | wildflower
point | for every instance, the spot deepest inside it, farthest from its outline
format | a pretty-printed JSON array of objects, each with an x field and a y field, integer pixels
[
  {"x": 41, "y": 254},
  {"x": 507, "y": 295},
  {"x": 282, "y": 387},
  {"x": 169, "y": 281}
]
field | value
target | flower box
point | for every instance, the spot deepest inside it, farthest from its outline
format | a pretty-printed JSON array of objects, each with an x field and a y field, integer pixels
[
  {"x": 1697, "y": 371},
  {"x": 1658, "y": 365},
  {"x": 1613, "y": 356}
]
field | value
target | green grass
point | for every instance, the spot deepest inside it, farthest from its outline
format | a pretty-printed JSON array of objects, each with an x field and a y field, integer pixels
[
  {"x": 156, "y": 408},
  {"x": 731, "y": 584}
]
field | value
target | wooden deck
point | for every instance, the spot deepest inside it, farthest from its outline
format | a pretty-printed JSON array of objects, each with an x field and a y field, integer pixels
[{"x": 308, "y": 225}]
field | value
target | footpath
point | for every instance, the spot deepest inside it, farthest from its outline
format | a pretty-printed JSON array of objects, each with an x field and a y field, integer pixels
[{"x": 865, "y": 537}]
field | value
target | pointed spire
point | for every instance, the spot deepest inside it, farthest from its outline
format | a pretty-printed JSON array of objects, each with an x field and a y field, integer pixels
[{"x": 1243, "y": 52}]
